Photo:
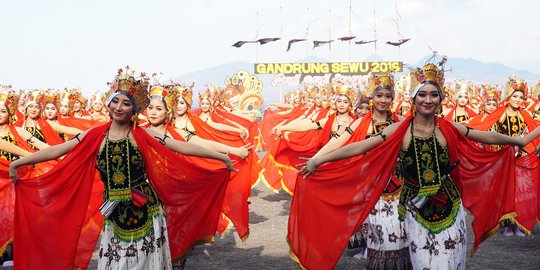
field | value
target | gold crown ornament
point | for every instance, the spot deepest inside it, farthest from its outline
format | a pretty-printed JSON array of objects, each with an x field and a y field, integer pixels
[
  {"x": 206, "y": 95},
  {"x": 380, "y": 81},
  {"x": 428, "y": 74},
  {"x": 77, "y": 96},
  {"x": 33, "y": 97},
  {"x": 312, "y": 91},
  {"x": 491, "y": 92},
  {"x": 50, "y": 96},
  {"x": 342, "y": 90},
  {"x": 168, "y": 95},
  {"x": 184, "y": 92},
  {"x": 67, "y": 98},
  {"x": 463, "y": 88},
  {"x": 97, "y": 97},
  {"x": 514, "y": 85},
  {"x": 536, "y": 91},
  {"x": 10, "y": 100},
  {"x": 134, "y": 88}
]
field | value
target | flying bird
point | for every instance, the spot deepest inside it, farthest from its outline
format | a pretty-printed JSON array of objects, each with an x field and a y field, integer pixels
[
  {"x": 239, "y": 44},
  {"x": 317, "y": 43},
  {"x": 263, "y": 41},
  {"x": 294, "y": 41},
  {"x": 346, "y": 38},
  {"x": 399, "y": 42},
  {"x": 365, "y": 41}
]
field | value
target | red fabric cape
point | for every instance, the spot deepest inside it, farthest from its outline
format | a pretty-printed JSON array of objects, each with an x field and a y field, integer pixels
[
  {"x": 468, "y": 111},
  {"x": 527, "y": 203},
  {"x": 51, "y": 137},
  {"x": 333, "y": 202},
  {"x": 57, "y": 222},
  {"x": 235, "y": 205},
  {"x": 80, "y": 123},
  {"x": 253, "y": 128},
  {"x": 272, "y": 119},
  {"x": 7, "y": 190},
  {"x": 285, "y": 154},
  {"x": 526, "y": 171},
  {"x": 492, "y": 118}
]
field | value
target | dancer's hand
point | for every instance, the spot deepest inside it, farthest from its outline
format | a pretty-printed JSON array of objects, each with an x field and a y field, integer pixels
[
  {"x": 13, "y": 172},
  {"x": 243, "y": 151},
  {"x": 244, "y": 133},
  {"x": 309, "y": 167},
  {"x": 228, "y": 163}
]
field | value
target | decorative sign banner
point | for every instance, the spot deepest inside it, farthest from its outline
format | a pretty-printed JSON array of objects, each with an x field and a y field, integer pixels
[{"x": 324, "y": 73}]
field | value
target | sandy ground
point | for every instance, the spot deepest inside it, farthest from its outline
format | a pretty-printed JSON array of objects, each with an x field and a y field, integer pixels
[{"x": 266, "y": 247}]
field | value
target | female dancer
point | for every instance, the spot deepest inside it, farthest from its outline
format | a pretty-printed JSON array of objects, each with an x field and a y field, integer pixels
[
  {"x": 35, "y": 124},
  {"x": 136, "y": 234},
  {"x": 206, "y": 105},
  {"x": 12, "y": 147},
  {"x": 191, "y": 128},
  {"x": 431, "y": 198},
  {"x": 514, "y": 121},
  {"x": 50, "y": 103},
  {"x": 461, "y": 112},
  {"x": 306, "y": 137},
  {"x": 383, "y": 232}
]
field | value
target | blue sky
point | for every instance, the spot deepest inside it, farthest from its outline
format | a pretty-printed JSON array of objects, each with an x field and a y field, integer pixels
[{"x": 81, "y": 43}]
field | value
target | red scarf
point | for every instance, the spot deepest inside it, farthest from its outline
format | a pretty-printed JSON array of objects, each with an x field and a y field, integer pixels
[
  {"x": 63, "y": 204},
  {"x": 494, "y": 117},
  {"x": 235, "y": 205},
  {"x": 333, "y": 202},
  {"x": 272, "y": 119}
]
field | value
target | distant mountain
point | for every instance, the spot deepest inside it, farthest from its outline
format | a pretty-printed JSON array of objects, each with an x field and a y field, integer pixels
[
  {"x": 471, "y": 69},
  {"x": 457, "y": 68}
]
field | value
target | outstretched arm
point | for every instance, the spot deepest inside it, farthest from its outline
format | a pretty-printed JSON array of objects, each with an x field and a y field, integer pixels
[
  {"x": 489, "y": 137},
  {"x": 190, "y": 149},
  {"x": 52, "y": 152},
  {"x": 13, "y": 149},
  {"x": 350, "y": 150},
  {"x": 339, "y": 142},
  {"x": 301, "y": 126}
]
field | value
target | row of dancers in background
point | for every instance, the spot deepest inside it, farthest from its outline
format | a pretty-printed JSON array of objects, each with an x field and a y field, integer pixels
[{"x": 412, "y": 217}]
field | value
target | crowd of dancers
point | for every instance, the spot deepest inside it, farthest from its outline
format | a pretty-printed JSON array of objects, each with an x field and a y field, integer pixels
[{"x": 390, "y": 163}]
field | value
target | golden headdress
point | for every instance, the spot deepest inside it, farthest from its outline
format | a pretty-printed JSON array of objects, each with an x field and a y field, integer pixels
[
  {"x": 380, "y": 81},
  {"x": 428, "y": 74},
  {"x": 185, "y": 92},
  {"x": 346, "y": 91},
  {"x": 67, "y": 98},
  {"x": 50, "y": 96},
  {"x": 463, "y": 87},
  {"x": 77, "y": 96},
  {"x": 514, "y": 85},
  {"x": 33, "y": 97},
  {"x": 10, "y": 100},
  {"x": 97, "y": 96},
  {"x": 134, "y": 88},
  {"x": 168, "y": 94},
  {"x": 536, "y": 91},
  {"x": 491, "y": 92},
  {"x": 206, "y": 94},
  {"x": 312, "y": 92}
]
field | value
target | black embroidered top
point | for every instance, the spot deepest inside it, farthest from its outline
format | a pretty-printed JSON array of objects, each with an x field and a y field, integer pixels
[
  {"x": 37, "y": 133},
  {"x": 121, "y": 170},
  {"x": 423, "y": 165},
  {"x": 513, "y": 126},
  {"x": 6, "y": 155}
]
